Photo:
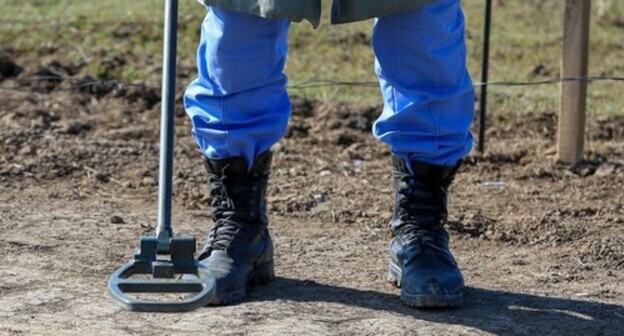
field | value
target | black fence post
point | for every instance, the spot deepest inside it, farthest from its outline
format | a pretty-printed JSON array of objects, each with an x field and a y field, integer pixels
[{"x": 485, "y": 67}]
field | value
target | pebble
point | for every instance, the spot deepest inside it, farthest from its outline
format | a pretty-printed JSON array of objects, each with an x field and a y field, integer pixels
[
  {"x": 103, "y": 177},
  {"x": 117, "y": 220},
  {"x": 74, "y": 129},
  {"x": 28, "y": 150},
  {"x": 606, "y": 170},
  {"x": 325, "y": 173},
  {"x": 77, "y": 129},
  {"x": 495, "y": 184},
  {"x": 148, "y": 181},
  {"x": 320, "y": 198}
]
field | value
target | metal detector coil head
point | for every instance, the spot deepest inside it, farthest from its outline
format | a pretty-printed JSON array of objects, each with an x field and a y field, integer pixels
[{"x": 165, "y": 268}]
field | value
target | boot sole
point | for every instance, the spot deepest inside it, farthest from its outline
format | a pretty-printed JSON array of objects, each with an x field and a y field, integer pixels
[
  {"x": 424, "y": 300},
  {"x": 260, "y": 275}
]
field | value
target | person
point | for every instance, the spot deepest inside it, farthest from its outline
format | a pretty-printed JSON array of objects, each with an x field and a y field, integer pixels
[{"x": 239, "y": 108}]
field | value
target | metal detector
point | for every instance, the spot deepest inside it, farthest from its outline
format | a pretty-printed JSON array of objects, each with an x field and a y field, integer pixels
[{"x": 163, "y": 258}]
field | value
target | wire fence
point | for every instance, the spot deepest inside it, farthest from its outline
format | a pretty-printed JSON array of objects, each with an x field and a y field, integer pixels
[
  {"x": 79, "y": 84},
  {"x": 61, "y": 83}
]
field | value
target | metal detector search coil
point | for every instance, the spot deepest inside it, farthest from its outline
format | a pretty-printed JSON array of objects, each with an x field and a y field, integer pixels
[{"x": 164, "y": 271}]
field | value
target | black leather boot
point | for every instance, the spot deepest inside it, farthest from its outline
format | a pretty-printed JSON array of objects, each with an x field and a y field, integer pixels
[
  {"x": 239, "y": 249},
  {"x": 421, "y": 262}
]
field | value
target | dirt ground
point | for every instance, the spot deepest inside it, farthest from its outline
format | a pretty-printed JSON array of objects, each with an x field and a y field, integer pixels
[{"x": 541, "y": 244}]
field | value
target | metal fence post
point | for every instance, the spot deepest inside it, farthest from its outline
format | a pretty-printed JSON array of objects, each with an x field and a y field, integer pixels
[{"x": 485, "y": 65}]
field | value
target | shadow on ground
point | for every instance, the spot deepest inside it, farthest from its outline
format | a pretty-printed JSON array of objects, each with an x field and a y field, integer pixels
[{"x": 497, "y": 312}]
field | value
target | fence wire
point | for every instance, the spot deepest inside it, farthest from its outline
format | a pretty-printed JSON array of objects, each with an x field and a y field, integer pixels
[{"x": 79, "y": 84}]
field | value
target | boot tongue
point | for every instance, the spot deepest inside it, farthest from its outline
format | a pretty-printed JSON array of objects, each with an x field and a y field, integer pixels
[
  {"x": 237, "y": 169},
  {"x": 424, "y": 172},
  {"x": 231, "y": 167}
]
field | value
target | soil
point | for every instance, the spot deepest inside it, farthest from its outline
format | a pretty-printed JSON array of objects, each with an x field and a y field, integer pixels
[{"x": 541, "y": 244}]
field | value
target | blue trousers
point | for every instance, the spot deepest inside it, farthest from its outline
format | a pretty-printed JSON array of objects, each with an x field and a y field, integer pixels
[{"x": 239, "y": 105}]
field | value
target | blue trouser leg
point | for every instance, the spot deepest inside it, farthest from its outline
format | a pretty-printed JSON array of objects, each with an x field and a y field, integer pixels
[
  {"x": 239, "y": 105},
  {"x": 427, "y": 91}
]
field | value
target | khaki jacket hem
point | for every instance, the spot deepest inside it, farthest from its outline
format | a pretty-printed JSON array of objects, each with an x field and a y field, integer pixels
[{"x": 343, "y": 11}]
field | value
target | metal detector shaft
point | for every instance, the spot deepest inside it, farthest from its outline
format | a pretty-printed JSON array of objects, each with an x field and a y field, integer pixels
[{"x": 164, "y": 230}]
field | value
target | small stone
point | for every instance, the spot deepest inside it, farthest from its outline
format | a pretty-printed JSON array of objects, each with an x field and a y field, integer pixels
[
  {"x": 147, "y": 181},
  {"x": 320, "y": 198},
  {"x": 103, "y": 177},
  {"x": 74, "y": 129},
  {"x": 28, "y": 150},
  {"x": 325, "y": 173},
  {"x": 117, "y": 220},
  {"x": 586, "y": 172},
  {"x": 606, "y": 170},
  {"x": 494, "y": 184},
  {"x": 77, "y": 128}
]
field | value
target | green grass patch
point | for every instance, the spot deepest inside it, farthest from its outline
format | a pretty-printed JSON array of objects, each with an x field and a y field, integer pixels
[{"x": 122, "y": 40}]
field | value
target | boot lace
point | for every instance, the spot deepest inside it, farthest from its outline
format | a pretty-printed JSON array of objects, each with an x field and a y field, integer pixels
[
  {"x": 224, "y": 215},
  {"x": 422, "y": 211}
]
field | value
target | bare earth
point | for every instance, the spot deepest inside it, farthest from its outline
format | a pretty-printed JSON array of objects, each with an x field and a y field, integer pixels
[{"x": 543, "y": 253}]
